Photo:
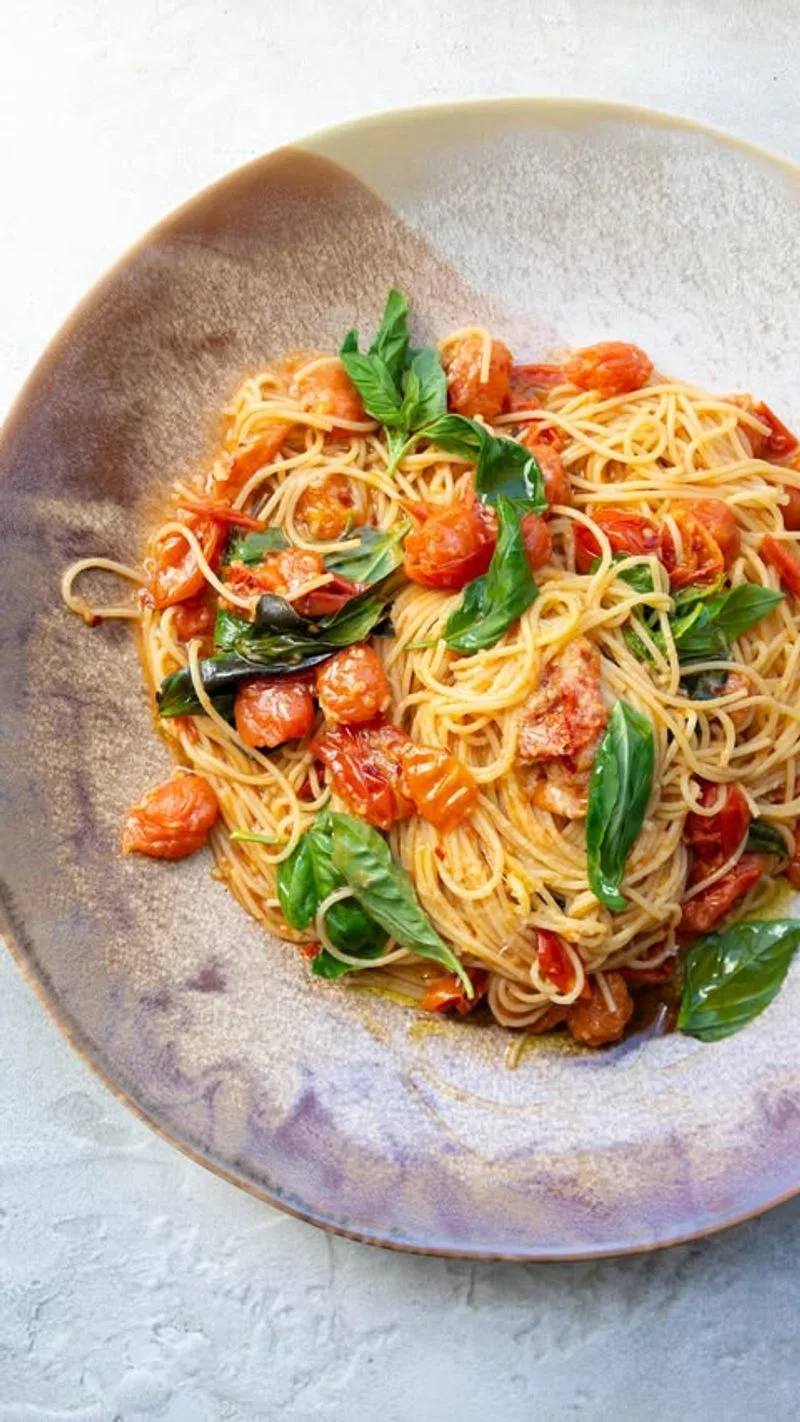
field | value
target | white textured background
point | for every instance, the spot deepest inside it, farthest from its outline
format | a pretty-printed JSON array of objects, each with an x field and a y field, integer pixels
[{"x": 133, "y": 1284}]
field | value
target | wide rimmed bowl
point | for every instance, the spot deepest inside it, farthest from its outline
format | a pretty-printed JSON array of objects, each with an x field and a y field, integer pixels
[{"x": 554, "y": 223}]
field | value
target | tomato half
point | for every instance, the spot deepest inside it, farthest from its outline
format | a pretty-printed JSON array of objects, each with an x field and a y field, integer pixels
[
  {"x": 173, "y": 573},
  {"x": 554, "y": 960},
  {"x": 328, "y": 508},
  {"x": 778, "y": 443},
  {"x": 467, "y": 394},
  {"x": 721, "y": 524},
  {"x": 366, "y": 770},
  {"x": 711, "y": 904},
  {"x": 448, "y": 993},
  {"x": 699, "y": 559}
]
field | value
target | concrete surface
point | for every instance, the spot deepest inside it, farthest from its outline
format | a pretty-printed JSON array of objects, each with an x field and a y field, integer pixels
[{"x": 133, "y": 1284}]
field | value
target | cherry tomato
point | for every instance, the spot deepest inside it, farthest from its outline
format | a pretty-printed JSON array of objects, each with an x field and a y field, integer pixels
[
  {"x": 284, "y": 573},
  {"x": 467, "y": 394},
  {"x": 628, "y": 533},
  {"x": 610, "y": 368},
  {"x": 554, "y": 960},
  {"x": 173, "y": 571},
  {"x": 172, "y": 820},
  {"x": 271, "y": 711},
  {"x": 660, "y": 973},
  {"x": 247, "y": 458},
  {"x": 566, "y": 713},
  {"x": 557, "y": 483},
  {"x": 366, "y": 770},
  {"x": 328, "y": 390},
  {"x": 791, "y": 509},
  {"x": 718, "y": 836},
  {"x": 700, "y": 913},
  {"x": 722, "y": 525},
  {"x": 193, "y": 619},
  {"x": 352, "y": 687},
  {"x": 450, "y": 548},
  {"x": 793, "y": 871},
  {"x": 591, "y": 1020},
  {"x": 526, "y": 380},
  {"x": 785, "y": 559},
  {"x": 449, "y": 992},
  {"x": 444, "y": 790},
  {"x": 699, "y": 559},
  {"x": 538, "y": 543},
  {"x": 778, "y": 443},
  {"x": 328, "y": 508},
  {"x": 220, "y": 510}
]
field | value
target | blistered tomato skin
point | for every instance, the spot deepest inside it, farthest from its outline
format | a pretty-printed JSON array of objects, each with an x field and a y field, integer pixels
[
  {"x": 610, "y": 368},
  {"x": 173, "y": 820},
  {"x": 352, "y": 687},
  {"x": 467, "y": 394}
]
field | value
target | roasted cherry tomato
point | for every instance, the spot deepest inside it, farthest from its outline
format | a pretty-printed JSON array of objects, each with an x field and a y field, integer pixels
[
  {"x": 660, "y": 973},
  {"x": 791, "y": 509},
  {"x": 628, "y": 533},
  {"x": 443, "y": 789},
  {"x": 554, "y": 960},
  {"x": 247, "y": 458},
  {"x": 538, "y": 543},
  {"x": 271, "y": 711},
  {"x": 218, "y": 509},
  {"x": 591, "y": 1020},
  {"x": 793, "y": 871},
  {"x": 777, "y": 442},
  {"x": 721, "y": 524},
  {"x": 699, "y": 558},
  {"x": 366, "y": 771},
  {"x": 785, "y": 559},
  {"x": 352, "y": 687},
  {"x": 717, "y": 837},
  {"x": 557, "y": 485},
  {"x": 172, "y": 820},
  {"x": 286, "y": 573},
  {"x": 451, "y": 547},
  {"x": 174, "y": 574},
  {"x": 467, "y": 394},
  {"x": 526, "y": 380},
  {"x": 448, "y": 993},
  {"x": 703, "y": 911},
  {"x": 193, "y": 619},
  {"x": 328, "y": 390},
  {"x": 328, "y": 508},
  {"x": 610, "y": 368}
]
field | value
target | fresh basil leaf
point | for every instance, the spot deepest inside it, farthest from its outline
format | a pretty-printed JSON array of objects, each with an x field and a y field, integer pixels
[
  {"x": 296, "y": 884},
  {"x": 735, "y": 611},
  {"x": 425, "y": 397},
  {"x": 730, "y": 977},
  {"x": 697, "y": 636},
  {"x": 503, "y": 466},
  {"x": 362, "y": 856},
  {"x": 619, "y": 791},
  {"x": 375, "y": 385},
  {"x": 391, "y": 338},
  {"x": 229, "y": 627},
  {"x": 639, "y": 576},
  {"x": 696, "y": 592},
  {"x": 378, "y": 554},
  {"x": 304, "y": 880},
  {"x": 491, "y": 604},
  {"x": 252, "y": 548},
  {"x": 764, "y": 838}
]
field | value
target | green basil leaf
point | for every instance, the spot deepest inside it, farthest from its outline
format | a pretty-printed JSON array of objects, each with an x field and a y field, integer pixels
[
  {"x": 730, "y": 977},
  {"x": 504, "y": 467},
  {"x": 378, "y": 554},
  {"x": 425, "y": 397},
  {"x": 639, "y": 576},
  {"x": 362, "y": 856},
  {"x": 764, "y": 838},
  {"x": 376, "y": 387},
  {"x": 735, "y": 611},
  {"x": 491, "y": 604},
  {"x": 619, "y": 791},
  {"x": 697, "y": 636},
  {"x": 391, "y": 338},
  {"x": 304, "y": 880},
  {"x": 229, "y": 627},
  {"x": 296, "y": 884},
  {"x": 252, "y": 548}
]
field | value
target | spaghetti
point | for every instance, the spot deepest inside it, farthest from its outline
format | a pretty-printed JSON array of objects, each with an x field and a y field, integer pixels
[{"x": 664, "y": 500}]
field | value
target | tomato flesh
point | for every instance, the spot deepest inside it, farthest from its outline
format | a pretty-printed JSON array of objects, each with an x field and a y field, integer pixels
[
  {"x": 172, "y": 820},
  {"x": 270, "y": 712},
  {"x": 352, "y": 686}
]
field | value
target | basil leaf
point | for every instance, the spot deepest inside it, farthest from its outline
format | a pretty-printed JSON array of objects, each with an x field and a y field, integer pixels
[
  {"x": 504, "y": 467},
  {"x": 304, "y": 880},
  {"x": 362, "y": 856},
  {"x": 378, "y": 554},
  {"x": 735, "y": 611},
  {"x": 704, "y": 686},
  {"x": 730, "y": 977},
  {"x": 391, "y": 338},
  {"x": 296, "y": 884},
  {"x": 425, "y": 397},
  {"x": 491, "y": 604},
  {"x": 228, "y": 628},
  {"x": 375, "y": 385},
  {"x": 639, "y": 576},
  {"x": 619, "y": 791},
  {"x": 252, "y": 548},
  {"x": 764, "y": 838},
  {"x": 221, "y": 677},
  {"x": 697, "y": 636}
]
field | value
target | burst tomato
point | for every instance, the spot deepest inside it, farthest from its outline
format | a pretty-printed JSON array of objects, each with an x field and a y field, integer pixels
[
  {"x": 610, "y": 368},
  {"x": 451, "y": 546},
  {"x": 591, "y": 1020},
  {"x": 448, "y": 992},
  {"x": 328, "y": 390},
  {"x": 628, "y": 533},
  {"x": 785, "y": 559},
  {"x": 538, "y": 543},
  {"x": 172, "y": 820},
  {"x": 557, "y": 485},
  {"x": 366, "y": 771},
  {"x": 271, "y": 711},
  {"x": 554, "y": 960},
  {"x": 721, "y": 524},
  {"x": 193, "y": 619},
  {"x": 699, "y": 558},
  {"x": 352, "y": 687},
  {"x": 793, "y": 870},
  {"x": 703, "y": 911},
  {"x": 286, "y": 573},
  {"x": 467, "y": 394},
  {"x": 328, "y": 508},
  {"x": 174, "y": 574},
  {"x": 526, "y": 380},
  {"x": 717, "y": 837},
  {"x": 791, "y": 509},
  {"x": 248, "y": 458},
  {"x": 778, "y": 442},
  {"x": 444, "y": 790}
]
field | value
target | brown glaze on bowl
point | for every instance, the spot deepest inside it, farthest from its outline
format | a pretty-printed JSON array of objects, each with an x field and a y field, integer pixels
[{"x": 556, "y": 224}]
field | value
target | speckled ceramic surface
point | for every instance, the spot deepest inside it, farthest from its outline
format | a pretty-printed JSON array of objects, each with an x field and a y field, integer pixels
[{"x": 556, "y": 224}]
